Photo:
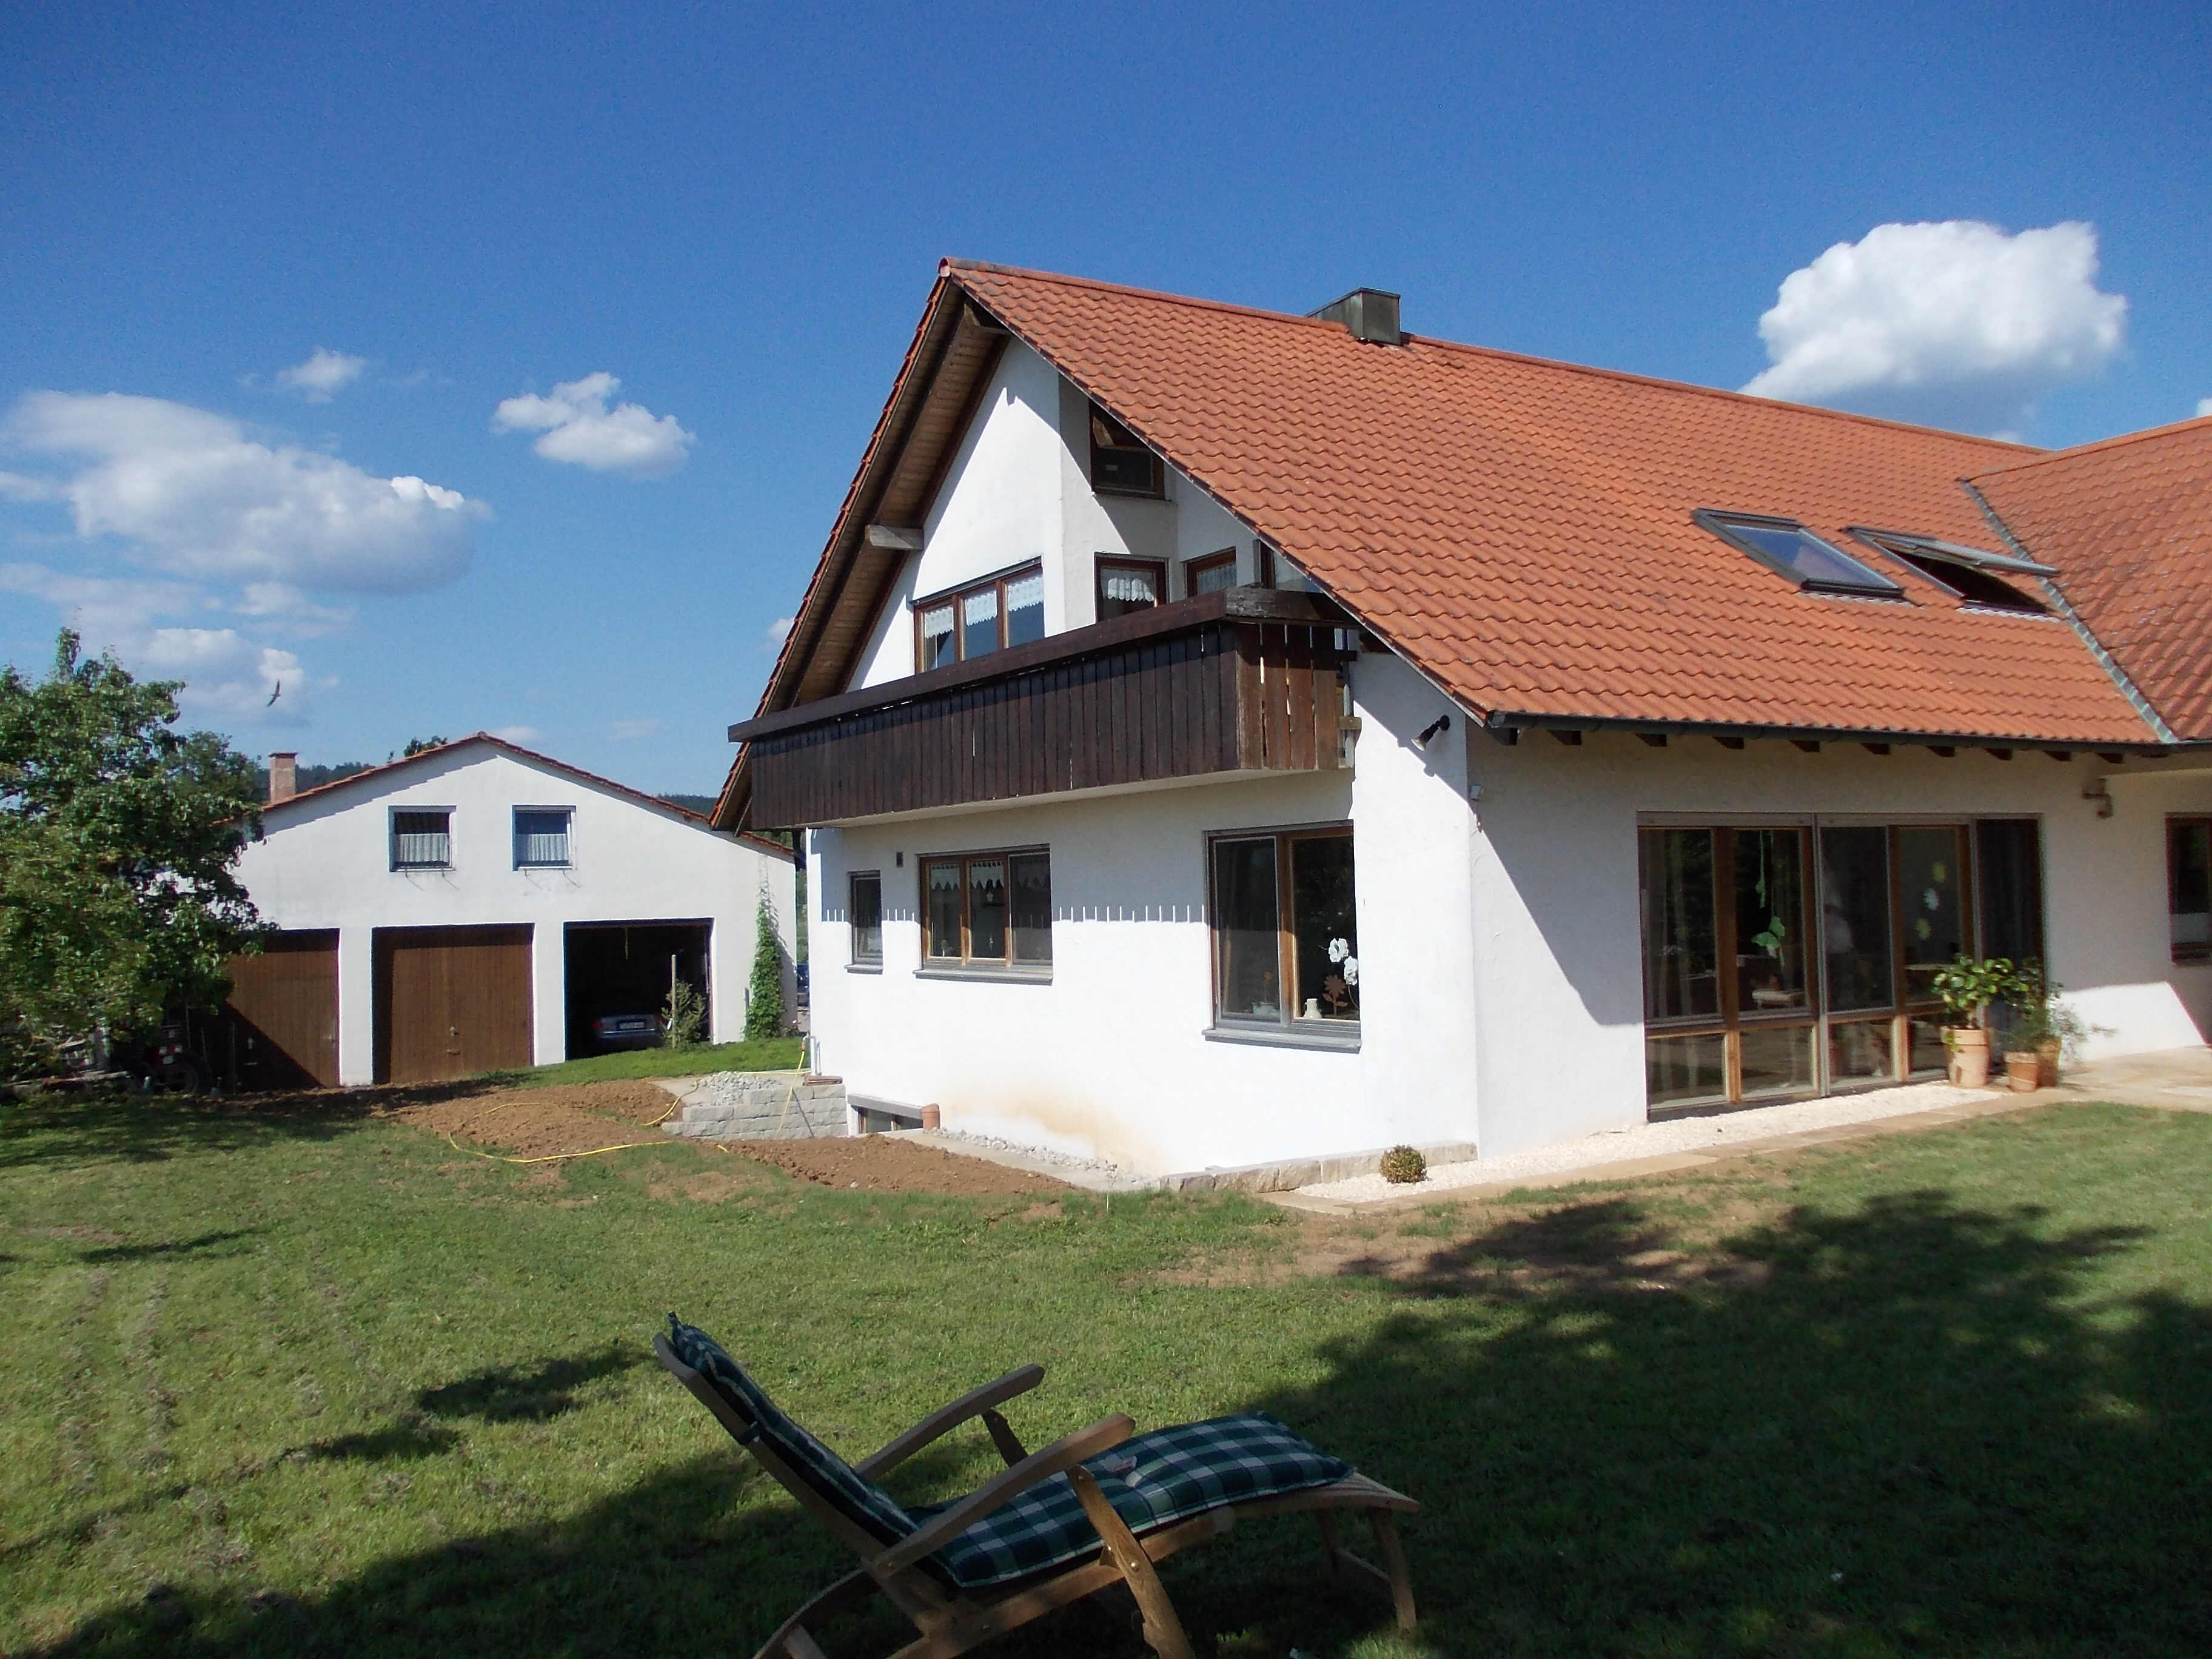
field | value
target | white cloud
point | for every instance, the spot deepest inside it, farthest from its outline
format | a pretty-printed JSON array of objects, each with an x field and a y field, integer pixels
[
  {"x": 1955, "y": 323},
  {"x": 105, "y": 608},
  {"x": 626, "y": 731},
  {"x": 323, "y": 375},
  {"x": 778, "y": 631},
  {"x": 201, "y": 499},
  {"x": 579, "y": 428},
  {"x": 280, "y": 602},
  {"x": 227, "y": 676},
  {"x": 2204, "y": 407},
  {"x": 524, "y": 735}
]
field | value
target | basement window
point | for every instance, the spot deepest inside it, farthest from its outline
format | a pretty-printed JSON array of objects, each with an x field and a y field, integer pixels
[
  {"x": 422, "y": 839},
  {"x": 541, "y": 837},
  {"x": 1976, "y": 577},
  {"x": 1787, "y": 548},
  {"x": 1120, "y": 463}
]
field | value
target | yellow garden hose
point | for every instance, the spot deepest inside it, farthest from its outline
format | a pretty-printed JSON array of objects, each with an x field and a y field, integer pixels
[{"x": 549, "y": 1157}]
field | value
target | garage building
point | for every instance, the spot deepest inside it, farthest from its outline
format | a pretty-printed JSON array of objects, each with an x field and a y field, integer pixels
[{"x": 477, "y": 906}]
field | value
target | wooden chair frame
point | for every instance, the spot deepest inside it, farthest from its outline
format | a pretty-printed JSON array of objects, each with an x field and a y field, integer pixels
[{"x": 952, "y": 1621}]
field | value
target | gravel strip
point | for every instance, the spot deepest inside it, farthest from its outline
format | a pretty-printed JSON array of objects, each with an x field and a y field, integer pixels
[
  {"x": 1098, "y": 1167},
  {"x": 1681, "y": 1134}
]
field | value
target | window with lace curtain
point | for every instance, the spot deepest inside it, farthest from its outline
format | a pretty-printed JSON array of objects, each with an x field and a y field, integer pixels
[
  {"x": 988, "y": 910},
  {"x": 1000, "y": 611},
  {"x": 1128, "y": 585}
]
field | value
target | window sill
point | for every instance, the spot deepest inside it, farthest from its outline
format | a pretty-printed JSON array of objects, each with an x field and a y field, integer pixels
[
  {"x": 864, "y": 967},
  {"x": 1286, "y": 1036},
  {"x": 1038, "y": 975}
]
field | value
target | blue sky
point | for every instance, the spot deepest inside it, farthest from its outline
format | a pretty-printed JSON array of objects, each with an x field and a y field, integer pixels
[{"x": 738, "y": 213}]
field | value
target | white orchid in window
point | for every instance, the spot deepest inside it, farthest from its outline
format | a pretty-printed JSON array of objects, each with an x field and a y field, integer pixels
[{"x": 1337, "y": 989}]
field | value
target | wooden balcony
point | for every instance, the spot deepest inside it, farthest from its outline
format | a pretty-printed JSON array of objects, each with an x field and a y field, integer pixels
[{"x": 1247, "y": 680}]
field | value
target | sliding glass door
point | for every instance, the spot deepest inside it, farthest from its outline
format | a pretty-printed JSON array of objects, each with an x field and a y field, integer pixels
[{"x": 1790, "y": 960}]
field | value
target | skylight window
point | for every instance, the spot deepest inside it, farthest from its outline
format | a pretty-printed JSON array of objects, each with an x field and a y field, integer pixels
[
  {"x": 1788, "y": 548},
  {"x": 1975, "y": 576}
]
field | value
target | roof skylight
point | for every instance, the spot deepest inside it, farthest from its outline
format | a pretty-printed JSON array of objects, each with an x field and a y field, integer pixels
[
  {"x": 1785, "y": 546},
  {"x": 1975, "y": 576}
]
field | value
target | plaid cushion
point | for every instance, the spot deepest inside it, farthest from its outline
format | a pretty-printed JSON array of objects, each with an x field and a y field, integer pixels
[
  {"x": 855, "y": 1496},
  {"x": 1152, "y": 1481}
]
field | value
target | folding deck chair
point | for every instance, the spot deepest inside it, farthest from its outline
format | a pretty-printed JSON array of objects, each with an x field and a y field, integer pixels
[{"x": 1097, "y": 1508}]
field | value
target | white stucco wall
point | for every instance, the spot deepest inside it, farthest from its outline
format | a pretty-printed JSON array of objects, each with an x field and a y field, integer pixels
[
  {"x": 1018, "y": 487},
  {"x": 323, "y": 862},
  {"x": 1111, "y": 1057}
]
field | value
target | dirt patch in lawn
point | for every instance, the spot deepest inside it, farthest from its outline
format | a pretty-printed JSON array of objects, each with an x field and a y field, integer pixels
[{"x": 546, "y": 1122}]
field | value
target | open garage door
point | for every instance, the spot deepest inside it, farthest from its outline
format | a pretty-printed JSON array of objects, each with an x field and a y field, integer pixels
[
  {"x": 619, "y": 974},
  {"x": 451, "y": 1001},
  {"x": 280, "y": 1029}
]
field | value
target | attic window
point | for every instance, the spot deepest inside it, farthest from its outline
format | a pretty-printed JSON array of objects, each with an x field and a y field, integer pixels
[
  {"x": 1120, "y": 463},
  {"x": 1968, "y": 572},
  {"x": 1786, "y": 547}
]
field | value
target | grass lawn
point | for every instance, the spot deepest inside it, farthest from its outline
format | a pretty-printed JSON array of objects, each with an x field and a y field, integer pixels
[
  {"x": 286, "y": 1385},
  {"x": 765, "y": 1054}
]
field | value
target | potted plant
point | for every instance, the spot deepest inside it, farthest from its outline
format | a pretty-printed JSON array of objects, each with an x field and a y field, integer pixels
[
  {"x": 1968, "y": 985},
  {"x": 2043, "y": 1029}
]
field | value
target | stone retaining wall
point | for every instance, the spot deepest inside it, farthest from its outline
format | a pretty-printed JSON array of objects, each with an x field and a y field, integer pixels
[{"x": 762, "y": 1106}]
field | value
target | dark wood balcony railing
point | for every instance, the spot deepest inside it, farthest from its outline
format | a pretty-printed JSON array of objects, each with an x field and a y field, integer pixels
[{"x": 1246, "y": 680}]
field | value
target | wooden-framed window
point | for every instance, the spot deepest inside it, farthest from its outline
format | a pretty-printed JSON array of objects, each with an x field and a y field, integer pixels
[
  {"x": 864, "y": 915},
  {"x": 1285, "y": 928},
  {"x": 2189, "y": 888},
  {"x": 1120, "y": 463},
  {"x": 1211, "y": 574},
  {"x": 988, "y": 910},
  {"x": 986, "y": 615},
  {"x": 541, "y": 837},
  {"x": 422, "y": 838},
  {"x": 1128, "y": 585},
  {"x": 1798, "y": 958}
]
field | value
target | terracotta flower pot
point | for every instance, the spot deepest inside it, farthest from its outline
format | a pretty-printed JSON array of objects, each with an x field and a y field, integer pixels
[
  {"x": 2046, "y": 1054},
  {"x": 2024, "y": 1068},
  {"x": 1970, "y": 1056}
]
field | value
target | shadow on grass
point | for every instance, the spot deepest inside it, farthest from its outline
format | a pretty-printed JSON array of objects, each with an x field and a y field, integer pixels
[
  {"x": 206, "y": 1244},
  {"x": 152, "y": 1128},
  {"x": 1910, "y": 1430},
  {"x": 508, "y": 1394}
]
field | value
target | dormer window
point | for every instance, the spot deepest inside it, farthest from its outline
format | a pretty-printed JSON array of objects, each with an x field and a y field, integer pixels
[
  {"x": 1787, "y": 548},
  {"x": 1120, "y": 463},
  {"x": 1978, "y": 577}
]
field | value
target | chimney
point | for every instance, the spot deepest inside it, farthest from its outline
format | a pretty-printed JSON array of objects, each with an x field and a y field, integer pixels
[
  {"x": 1367, "y": 313},
  {"x": 283, "y": 777}
]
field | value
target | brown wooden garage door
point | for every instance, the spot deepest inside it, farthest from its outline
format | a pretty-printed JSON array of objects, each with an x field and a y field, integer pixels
[
  {"x": 282, "y": 1029},
  {"x": 451, "y": 1001}
]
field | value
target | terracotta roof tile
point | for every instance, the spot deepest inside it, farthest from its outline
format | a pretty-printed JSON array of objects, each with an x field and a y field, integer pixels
[
  {"x": 2128, "y": 524},
  {"x": 1522, "y": 528}
]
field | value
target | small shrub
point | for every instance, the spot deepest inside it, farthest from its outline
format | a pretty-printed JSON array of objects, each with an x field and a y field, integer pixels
[
  {"x": 1403, "y": 1165},
  {"x": 765, "y": 994},
  {"x": 683, "y": 1021}
]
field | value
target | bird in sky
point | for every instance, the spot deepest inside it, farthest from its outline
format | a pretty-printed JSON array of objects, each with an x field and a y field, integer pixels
[{"x": 273, "y": 695}]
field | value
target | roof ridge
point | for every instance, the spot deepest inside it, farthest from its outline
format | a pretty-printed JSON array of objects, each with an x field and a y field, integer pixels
[
  {"x": 1658, "y": 382},
  {"x": 2097, "y": 445}
]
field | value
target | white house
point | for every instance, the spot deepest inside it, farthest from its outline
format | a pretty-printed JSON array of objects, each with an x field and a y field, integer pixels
[
  {"x": 477, "y": 906},
  {"x": 1225, "y": 736}
]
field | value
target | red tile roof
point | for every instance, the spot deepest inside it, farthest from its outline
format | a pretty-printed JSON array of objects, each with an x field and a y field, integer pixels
[
  {"x": 1520, "y": 529},
  {"x": 2129, "y": 521}
]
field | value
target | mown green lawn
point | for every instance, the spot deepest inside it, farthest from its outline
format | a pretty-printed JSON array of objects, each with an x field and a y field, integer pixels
[
  {"x": 762, "y": 1054},
  {"x": 318, "y": 1385}
]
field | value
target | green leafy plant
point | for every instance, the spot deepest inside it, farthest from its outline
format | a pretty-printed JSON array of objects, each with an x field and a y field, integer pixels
[
  {"x": 1969, "y": 985},
  {"x": 1404, "y": 1165},
  {"x": 684, "y": 1018},
  {"x": 2038, "y": 1017},
  {"x": 764, "y": 992}
]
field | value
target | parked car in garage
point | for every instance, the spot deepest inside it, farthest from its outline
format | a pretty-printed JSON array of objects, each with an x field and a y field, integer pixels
[{"x": 631, "y": 1031}]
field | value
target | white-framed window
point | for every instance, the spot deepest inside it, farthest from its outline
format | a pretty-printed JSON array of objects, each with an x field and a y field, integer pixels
[
  {"x": 422, "y": 837},
  {"x": 541, "y": 837}
]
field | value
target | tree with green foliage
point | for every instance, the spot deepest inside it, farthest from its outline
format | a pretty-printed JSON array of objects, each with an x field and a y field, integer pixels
[
  {"x": 764, "y": 993},
  {"x": 422, "y": 745},
  {"x": 117, "y": 838}
]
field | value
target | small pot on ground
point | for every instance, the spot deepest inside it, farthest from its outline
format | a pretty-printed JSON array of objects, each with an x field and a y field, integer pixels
[
  {"x": 2024, "y": 1069},
  {"x": 2047, "y": 1059},
  {"x": 1969, "y": 1056}
]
